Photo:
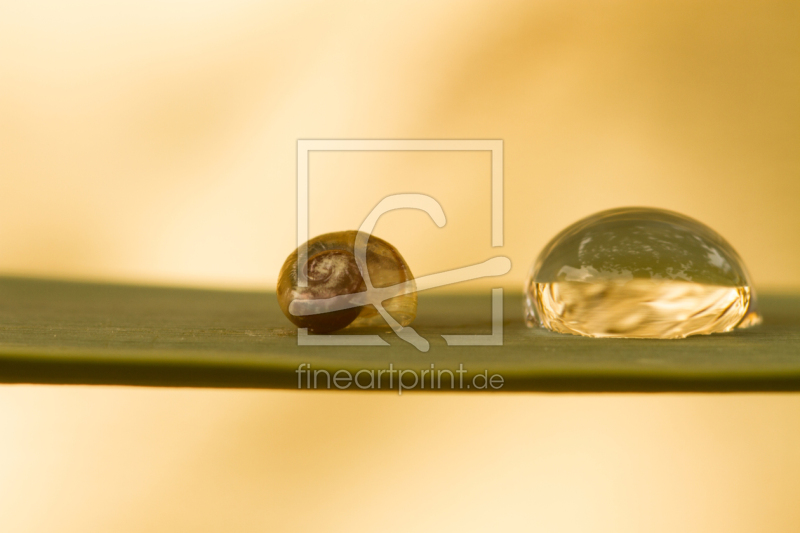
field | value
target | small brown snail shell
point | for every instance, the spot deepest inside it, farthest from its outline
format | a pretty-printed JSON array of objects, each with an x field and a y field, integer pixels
[{"x": 332, "y": 270}]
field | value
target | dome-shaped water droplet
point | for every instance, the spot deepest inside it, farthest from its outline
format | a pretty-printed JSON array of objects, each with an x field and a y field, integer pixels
[{"x": 639, "y": 272}]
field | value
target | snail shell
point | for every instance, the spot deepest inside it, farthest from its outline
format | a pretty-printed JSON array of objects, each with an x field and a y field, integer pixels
[{"x": 332, "y": 271}]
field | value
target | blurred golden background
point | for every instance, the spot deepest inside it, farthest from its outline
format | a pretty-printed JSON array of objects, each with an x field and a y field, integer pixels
[{"x": 155, "y": 142}]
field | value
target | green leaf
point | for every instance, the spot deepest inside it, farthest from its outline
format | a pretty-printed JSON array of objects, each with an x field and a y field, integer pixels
[{"x": 79, "y": 333}]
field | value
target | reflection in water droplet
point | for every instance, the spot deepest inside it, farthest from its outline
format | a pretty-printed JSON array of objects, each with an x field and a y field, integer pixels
[{"x": 639, "y": 272}]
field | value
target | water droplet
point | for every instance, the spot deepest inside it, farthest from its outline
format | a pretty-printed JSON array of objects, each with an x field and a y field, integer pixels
[{"x": 639, "y": 272}]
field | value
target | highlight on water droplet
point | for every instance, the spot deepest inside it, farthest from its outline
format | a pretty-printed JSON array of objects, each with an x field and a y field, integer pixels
[{"x": 642, "y": 273}]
